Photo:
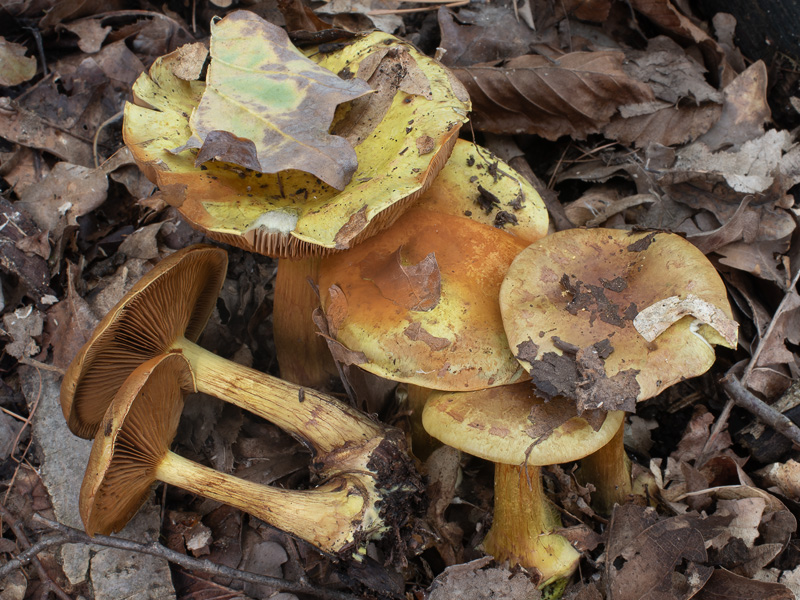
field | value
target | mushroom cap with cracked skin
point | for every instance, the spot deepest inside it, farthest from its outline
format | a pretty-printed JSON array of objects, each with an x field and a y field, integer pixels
[
  {"x": 419, "y": 301},
  {"x": 401, "y": 140},
  {"x": 475, "y": 183},
  {"x": 174, "y": 299},
  {"x": 512, "y": 425},
  {"x": 123, "y": 460},
  {"x": 568, "y": 304}
]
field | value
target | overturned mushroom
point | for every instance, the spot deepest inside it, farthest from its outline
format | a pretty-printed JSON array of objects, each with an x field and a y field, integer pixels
[
  {"x": 166, "y": 311},
  {"x": 520, "y": 432},
  {"x": 570, "y": 303},
  {"x": 131, "y": 452}
]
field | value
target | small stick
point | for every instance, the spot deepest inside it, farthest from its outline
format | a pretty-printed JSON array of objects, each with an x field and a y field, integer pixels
[
  {"x": 195, "y": 564},
  {"x": 23, "y": 541},
  {"x": 763, "y": 411}
]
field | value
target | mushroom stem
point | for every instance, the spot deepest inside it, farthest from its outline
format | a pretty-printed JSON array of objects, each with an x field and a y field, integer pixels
[
  {"x": 320, "y": 420},
  {"x": 609, "y": 471},
  {"x": 303, "y": 356},
  {"x": 422, "y": 442},
  {"x": 523, "y": 525},
  {"x": 322, "y": 516}
]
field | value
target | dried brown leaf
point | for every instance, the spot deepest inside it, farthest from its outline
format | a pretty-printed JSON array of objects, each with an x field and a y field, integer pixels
[
  {"x": 575, "y": 95},
  {"x": 91, "y": 33},
  {"x": 653, "y": 559},
  {"x": 473, "y": 36},
  {"x": 16, "y": 67},
  {"x": 666, "y": 125},
  {"x": 414, "y": 287},
  {"x": 671, "y": 73},
  {"x": 744, "y": 111},
  {"x": 69, "y": 324},
  {"x": 724, "y": 585},
  {"x": 664, "y": 14}
]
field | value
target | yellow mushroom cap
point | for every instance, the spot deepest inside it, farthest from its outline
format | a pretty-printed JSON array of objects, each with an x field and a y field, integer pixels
[
  {"x": 293, "y": 214},
  {"x": 512, "y": 425},
  {"x": 476, "y": 184},
  {"x": 420, "y": 302},
  {"x": 135, "y": 435},
  {"x": 569, "y": 302},
  {"x": 174, "y": 299}
]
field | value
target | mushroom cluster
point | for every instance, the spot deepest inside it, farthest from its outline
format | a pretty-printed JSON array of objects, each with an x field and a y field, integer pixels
[{"x": 434, "y": 269}]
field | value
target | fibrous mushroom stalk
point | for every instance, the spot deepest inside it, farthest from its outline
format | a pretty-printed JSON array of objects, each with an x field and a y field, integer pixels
[{"x": 523, "y": 525}]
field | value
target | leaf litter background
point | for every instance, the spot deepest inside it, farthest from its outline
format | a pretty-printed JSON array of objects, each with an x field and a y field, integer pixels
[{"x": 624, "y": 114}]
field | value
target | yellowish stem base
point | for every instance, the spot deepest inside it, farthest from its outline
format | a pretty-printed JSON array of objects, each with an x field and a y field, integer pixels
[{"x": 523, "y": 525}]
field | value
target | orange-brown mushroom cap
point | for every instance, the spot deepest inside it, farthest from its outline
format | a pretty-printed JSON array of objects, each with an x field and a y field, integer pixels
[
  {"x": 512, "y": 425},
  {"x": 569, "y": 302},
  {"x": 419, "y": 302},
  {"x": 153, "y": 315},
  {"x": 124, "y": 459}
]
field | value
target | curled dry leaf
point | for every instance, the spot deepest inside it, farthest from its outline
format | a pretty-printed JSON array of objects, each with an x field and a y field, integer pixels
[
  {"x": 656, "y": 318},
  {"x": 267, "y": 107},
  {"x": 575, "y": 95}
]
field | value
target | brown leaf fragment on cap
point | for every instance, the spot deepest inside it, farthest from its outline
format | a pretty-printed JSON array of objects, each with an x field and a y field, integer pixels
[
  {"x": 337, "y": 309},
  {"x": 414, "y": 287},
  {"x": 227, "y": 147},
  {"x": 595, "y": 418},
  {"x": 416, "y": 333},
  {"x": 503, "y": 218},
  {"x": 425, "y": 144},
  {"x": 642, "y": 244},
  {"x": 595, "y": 301},
  {"x": 555, "y": 375},
  {"x": 596, "y": 390},
  {"x": 544, "y": 419},
  {"x": 527, "y": 351},
  {"x": 615, "y": 285},
  {"x": 487, "y": 200},
  {"x": 351, "y": 229}
]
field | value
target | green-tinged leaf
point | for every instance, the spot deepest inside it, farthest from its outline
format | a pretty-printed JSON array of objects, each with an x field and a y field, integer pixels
[
  {"x": 15, "y": 67},
  {"x": 268, "y": 108}
]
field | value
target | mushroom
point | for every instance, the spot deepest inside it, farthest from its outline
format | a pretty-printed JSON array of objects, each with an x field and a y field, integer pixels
[
  {"x": 131, "y": 452},
  {"x": 520, "y": 432},
  {"x": 574, "y": 304},
  {"x": 402, "y": 136},
  {"x": 419, "y": 300},
  {"x": 165, "y": 312}
]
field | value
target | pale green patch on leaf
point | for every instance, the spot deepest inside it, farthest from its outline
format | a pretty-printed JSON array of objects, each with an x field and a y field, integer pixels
[
  {"x": 269, "y": 107},
  {"x": 15, "y": 67}
]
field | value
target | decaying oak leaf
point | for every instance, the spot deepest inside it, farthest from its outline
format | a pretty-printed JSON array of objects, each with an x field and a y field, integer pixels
[
  {"x": 17, "y": 68},
  {"x": 273, "y": 104},
  {"x": 575, "y": 95},
  {"x": 412, "y": 286},
  {"x": 654, "y": 319},
  {"x": 648, "y": 557}
]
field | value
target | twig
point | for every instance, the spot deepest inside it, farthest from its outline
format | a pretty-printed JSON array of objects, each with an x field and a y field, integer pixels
[
  {"x": 23, "y": 558},
  {"x": 102, "y": 126},
  {"x": 790, "y": 291},
  {"x": 154, "y": 549},
  {"x": 23, "y": 541},
  {"x": 763, "y": 411}
]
